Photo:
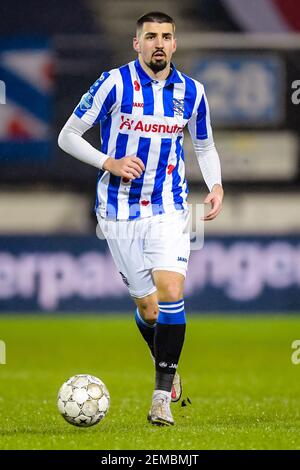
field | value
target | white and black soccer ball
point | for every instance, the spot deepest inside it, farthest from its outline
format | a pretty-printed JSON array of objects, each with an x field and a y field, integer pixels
[{"x": 83, "y": 400}]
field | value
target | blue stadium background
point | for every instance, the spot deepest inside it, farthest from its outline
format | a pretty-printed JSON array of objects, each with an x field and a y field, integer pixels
[{"x": 50, "y": 257}]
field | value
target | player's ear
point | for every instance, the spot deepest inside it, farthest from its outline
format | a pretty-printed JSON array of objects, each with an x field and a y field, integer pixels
[
  {"x": 136, "y": 45},
  {"x": 174, "y": 45}
]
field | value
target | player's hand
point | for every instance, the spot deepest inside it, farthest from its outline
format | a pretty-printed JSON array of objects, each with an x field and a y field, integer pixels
[
  {"x": 126, "y": 167},
  {"x": 215, "y": 199}
]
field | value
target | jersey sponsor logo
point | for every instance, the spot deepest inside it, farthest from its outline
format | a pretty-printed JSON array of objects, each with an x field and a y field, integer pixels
[
  {"x": 132, "y": 125},
  {"x": 86, "y": 101},
  {"x": 138, "y": 105},
  {"x": 126, "y": 123},
  {"x": 178, "y": 106}
]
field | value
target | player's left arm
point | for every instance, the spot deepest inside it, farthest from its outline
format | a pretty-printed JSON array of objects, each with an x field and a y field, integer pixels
[
  {"x": 207, "y": 156},
  {"x": 215, "y": 198}
]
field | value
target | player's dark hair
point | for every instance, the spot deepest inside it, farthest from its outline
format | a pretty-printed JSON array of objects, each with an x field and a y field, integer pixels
[{"x": 154, "y": 17}]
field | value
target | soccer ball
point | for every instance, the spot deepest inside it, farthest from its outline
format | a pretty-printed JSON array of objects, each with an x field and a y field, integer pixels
[{"x": 83, "y": 400}]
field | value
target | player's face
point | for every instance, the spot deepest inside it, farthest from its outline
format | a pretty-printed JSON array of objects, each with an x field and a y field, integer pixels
[{"x": 155, "y": 45}]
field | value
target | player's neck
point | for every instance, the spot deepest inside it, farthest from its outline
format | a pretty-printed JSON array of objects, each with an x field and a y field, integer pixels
[{"x": 161, "y": 75}]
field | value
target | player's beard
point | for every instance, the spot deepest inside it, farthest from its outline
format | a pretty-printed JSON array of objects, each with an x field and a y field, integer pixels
[{"x": 157, "y": 66}]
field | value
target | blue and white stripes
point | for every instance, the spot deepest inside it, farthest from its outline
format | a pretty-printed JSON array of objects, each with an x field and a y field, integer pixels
[
  {"x": 171, "y": 313},
  {"x": 145, "y": 118}
]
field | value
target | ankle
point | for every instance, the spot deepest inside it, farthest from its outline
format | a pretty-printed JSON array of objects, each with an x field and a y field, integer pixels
[{"x": 161, "y": 394}]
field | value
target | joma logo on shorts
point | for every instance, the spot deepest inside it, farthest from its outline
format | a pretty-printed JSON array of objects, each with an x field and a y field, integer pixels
[{"x": 180, "y": 258}]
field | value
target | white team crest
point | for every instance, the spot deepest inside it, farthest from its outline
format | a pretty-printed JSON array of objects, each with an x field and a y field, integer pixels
[{"x": 178, "y": 106}]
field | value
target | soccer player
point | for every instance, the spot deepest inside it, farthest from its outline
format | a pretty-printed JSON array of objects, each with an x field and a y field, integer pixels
[{"x": 141, "y": 204}]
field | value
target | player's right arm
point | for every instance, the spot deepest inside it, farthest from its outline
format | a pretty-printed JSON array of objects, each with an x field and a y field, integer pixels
[
  {"x": 94, "y": 107},
  {"x": 126, "y": 167}
]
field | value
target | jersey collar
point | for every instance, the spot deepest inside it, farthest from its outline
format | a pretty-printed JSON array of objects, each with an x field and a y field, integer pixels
[{"x": 145, "y": 79}]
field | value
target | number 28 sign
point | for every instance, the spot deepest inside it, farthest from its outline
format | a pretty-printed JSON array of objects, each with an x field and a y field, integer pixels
[{"x": 243, "y": 90}]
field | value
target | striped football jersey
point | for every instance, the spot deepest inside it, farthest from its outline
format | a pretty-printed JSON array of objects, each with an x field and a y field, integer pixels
[{"x": 143, "y": 117}]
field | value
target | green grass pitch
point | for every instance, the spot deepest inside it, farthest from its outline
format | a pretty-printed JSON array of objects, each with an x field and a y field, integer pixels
[{"x": 237, "y": 372}]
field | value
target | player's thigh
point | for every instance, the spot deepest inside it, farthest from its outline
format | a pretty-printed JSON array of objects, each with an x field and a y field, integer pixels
[
  {"x": 167, "y": 244},
  {"x": 126, "y": 248}
]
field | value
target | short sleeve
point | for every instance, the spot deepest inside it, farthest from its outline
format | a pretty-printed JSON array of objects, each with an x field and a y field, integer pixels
[
  {"x": 97, "y": 102},
  {"x": 199, "y": 124}
]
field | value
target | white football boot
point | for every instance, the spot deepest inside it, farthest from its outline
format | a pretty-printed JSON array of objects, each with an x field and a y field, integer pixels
[
  {"x": 176, "y": 391},
  {"x": 160, "y": 412}
]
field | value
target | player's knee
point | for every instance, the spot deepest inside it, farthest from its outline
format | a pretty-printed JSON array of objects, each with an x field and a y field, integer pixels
[
  {"x": 149, "y": 312},
  {"x": 170, "y": 292}
]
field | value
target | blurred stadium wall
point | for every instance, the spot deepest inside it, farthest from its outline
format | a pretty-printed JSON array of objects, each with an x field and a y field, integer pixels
[{"x": 247, "y": 54}]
